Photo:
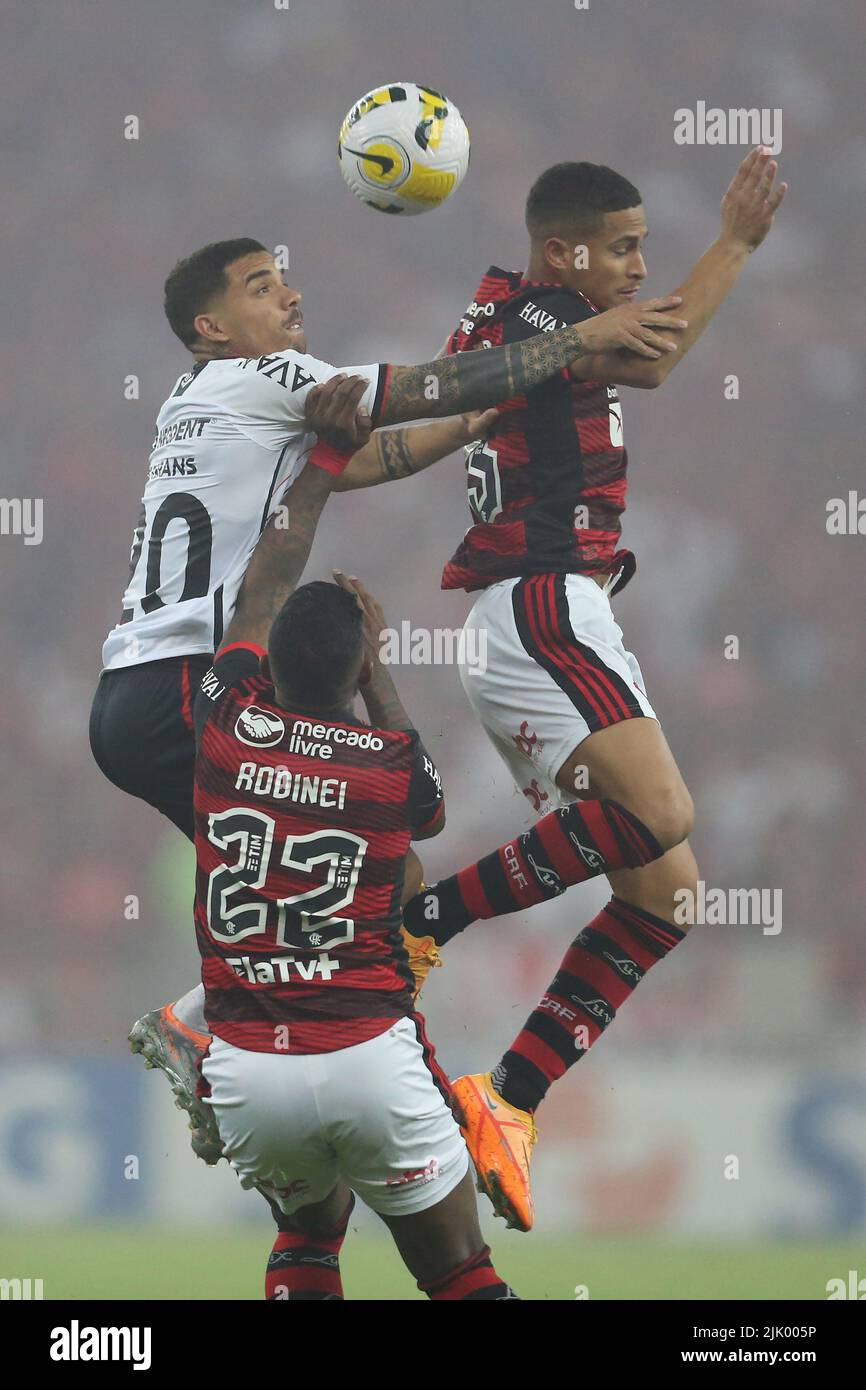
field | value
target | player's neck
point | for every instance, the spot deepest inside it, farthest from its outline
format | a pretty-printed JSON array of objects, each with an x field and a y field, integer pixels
[
  {"x": 540, "y": 272},
  {"x": 340, "y": 713}
]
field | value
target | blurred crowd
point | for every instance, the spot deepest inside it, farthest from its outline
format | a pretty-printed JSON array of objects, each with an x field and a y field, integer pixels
[{"x": 239, "y": 108}]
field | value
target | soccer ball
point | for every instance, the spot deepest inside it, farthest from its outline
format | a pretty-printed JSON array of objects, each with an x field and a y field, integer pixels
[{"x": 403, "y": 149}]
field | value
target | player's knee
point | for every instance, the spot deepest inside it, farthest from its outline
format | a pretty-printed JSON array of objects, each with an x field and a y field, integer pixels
[{"x": 672, "y": 817}]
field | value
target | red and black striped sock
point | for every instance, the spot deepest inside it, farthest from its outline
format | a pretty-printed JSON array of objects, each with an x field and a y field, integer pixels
[
  {"x": 566, "y": 846},
  {"x": 473, "y": 1281},
  {"x": 307, "y": 1268},
  {"x": 601, "y": 968}
]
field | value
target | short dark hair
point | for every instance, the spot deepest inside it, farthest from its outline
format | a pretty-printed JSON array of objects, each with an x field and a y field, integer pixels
[
  {"x": 576, "y": 195},
  {"x": 196, "y": 279},
  {"x": 315, "y": 641}
]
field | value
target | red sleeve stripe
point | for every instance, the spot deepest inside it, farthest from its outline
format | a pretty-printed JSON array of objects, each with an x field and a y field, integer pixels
[{"x": 244, "y": 647}]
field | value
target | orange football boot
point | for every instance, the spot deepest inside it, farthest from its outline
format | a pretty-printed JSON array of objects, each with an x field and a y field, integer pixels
[{"x": 500, "y": 1139}]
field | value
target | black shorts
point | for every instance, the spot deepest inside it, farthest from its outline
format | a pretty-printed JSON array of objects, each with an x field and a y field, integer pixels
[{"x": 141, "y": 732}]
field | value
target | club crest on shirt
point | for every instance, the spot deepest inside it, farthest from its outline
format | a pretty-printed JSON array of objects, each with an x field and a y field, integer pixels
[{"x": 258, "y": 728}]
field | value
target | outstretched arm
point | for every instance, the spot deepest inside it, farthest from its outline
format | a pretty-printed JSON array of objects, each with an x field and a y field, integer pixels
[
  {"x": 400, "y": 453},
  {"x": 748, "y": 209},
  {"x": 476, "y": 380}
]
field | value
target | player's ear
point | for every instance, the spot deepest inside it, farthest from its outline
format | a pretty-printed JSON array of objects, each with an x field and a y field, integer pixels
[
  {"x": 208, "y": 329},
  {"x": 265, "y": 666},
  {"x": 365, "y": 675},
  {"x": 558, "y": 253}
]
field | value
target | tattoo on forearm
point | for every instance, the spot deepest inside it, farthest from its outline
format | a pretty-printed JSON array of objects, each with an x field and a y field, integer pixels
[
  {"x": 281, "y": 554},
  {"x": 478, "y": 379},
  {"x": 395, "y": 456}
]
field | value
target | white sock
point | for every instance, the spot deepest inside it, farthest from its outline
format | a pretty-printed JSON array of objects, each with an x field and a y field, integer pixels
[{"x": 189, "y": 1009}]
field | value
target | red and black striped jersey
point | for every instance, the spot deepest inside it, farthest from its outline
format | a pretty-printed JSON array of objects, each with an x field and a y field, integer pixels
[
  {"x": 547, "y": 489},
  {"x": 301, "y": 831}
]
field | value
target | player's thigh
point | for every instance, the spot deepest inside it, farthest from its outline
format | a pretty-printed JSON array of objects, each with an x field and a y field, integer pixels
[
  {"x": 265, "y": 1107},
  {"x": 436, "y": 1240},
  {"x": 387, "y": 1116},
  {"x": 555, "y": 673},
  {"x": 631, "y": 762},
  {"x": 141, "y": 733}
]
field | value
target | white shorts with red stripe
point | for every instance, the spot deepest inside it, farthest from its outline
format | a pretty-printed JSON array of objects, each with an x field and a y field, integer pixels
[
  {"x": 375, "y": 1115},
  {"x": 544, "y": 666}
]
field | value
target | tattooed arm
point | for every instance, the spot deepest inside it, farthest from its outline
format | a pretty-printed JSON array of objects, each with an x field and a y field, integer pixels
[
  {"x": 476, "y": 380},
  {"x": 283, "y": 548},
  {"x": 394, "y": 454},
  {"x": 279, "y": 557}
]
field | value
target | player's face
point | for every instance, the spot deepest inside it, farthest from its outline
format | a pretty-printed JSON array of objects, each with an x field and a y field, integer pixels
[
  {"x": 613, "y": 266},
  {"x": 258, "y": 312}
]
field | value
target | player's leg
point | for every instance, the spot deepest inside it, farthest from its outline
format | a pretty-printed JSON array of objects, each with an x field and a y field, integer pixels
[
  {"x": 141, "y": 736},
  {"x": 387, "y": 1114},
  {"x": 443, "y": 1248},
  {"x": 631, "y": 763},
  {"x": 267, "y": 1111},
  {"x": 562, "y": 699},
  {"x": 304, "y": 1263}
]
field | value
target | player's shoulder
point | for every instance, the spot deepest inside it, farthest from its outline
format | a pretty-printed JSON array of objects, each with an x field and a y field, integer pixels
[
  {"x": 288, "y": 371},
  {"x": 547, "y": 306},
  {"x": 272, "y": 386}
]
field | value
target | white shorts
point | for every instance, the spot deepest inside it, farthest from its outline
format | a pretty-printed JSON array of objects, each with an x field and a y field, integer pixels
[
  {"x": 372, "y": 1115},
  {"x": 543, "y": 665}
]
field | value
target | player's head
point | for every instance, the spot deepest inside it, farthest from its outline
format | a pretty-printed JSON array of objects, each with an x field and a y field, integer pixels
[
  {"x": 316, "y": 656},
  {"x": 586, "y": 226},
  {"x": 230, "y": 300}
]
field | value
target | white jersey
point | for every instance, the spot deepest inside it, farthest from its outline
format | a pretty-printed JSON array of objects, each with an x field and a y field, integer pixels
[{"x": 229, "y": 439}]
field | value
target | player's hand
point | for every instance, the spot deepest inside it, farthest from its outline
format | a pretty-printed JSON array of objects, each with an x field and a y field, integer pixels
[
  {"x": 475, "y": 424},
  {"x": 374, "y": 623},
  {"x": 750, "y": 204},
  {"x": 633, "y": 326},
  {"x": 334, "y": 413}
]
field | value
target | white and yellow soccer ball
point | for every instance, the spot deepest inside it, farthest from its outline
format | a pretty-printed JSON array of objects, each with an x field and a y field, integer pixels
[{"x": 403, "y": 149}]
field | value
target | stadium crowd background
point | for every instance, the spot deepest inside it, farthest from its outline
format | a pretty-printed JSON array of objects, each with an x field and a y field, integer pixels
[{"x": 239, "y": 108}]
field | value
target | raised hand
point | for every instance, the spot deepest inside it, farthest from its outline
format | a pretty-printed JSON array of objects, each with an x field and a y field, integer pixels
[
  {"x": 751, "y": 202},
  {"x": 373, "y": 621}
]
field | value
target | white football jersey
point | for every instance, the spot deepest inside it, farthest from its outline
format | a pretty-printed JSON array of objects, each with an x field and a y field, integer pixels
[{"x": 229, "y": 439}]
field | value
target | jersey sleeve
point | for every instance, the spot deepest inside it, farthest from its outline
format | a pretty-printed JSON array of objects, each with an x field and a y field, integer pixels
[
  {"x": 232, "y": 666},
  {"x": 275, "y": 388},
  {"x": 426, "y": 798}
]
